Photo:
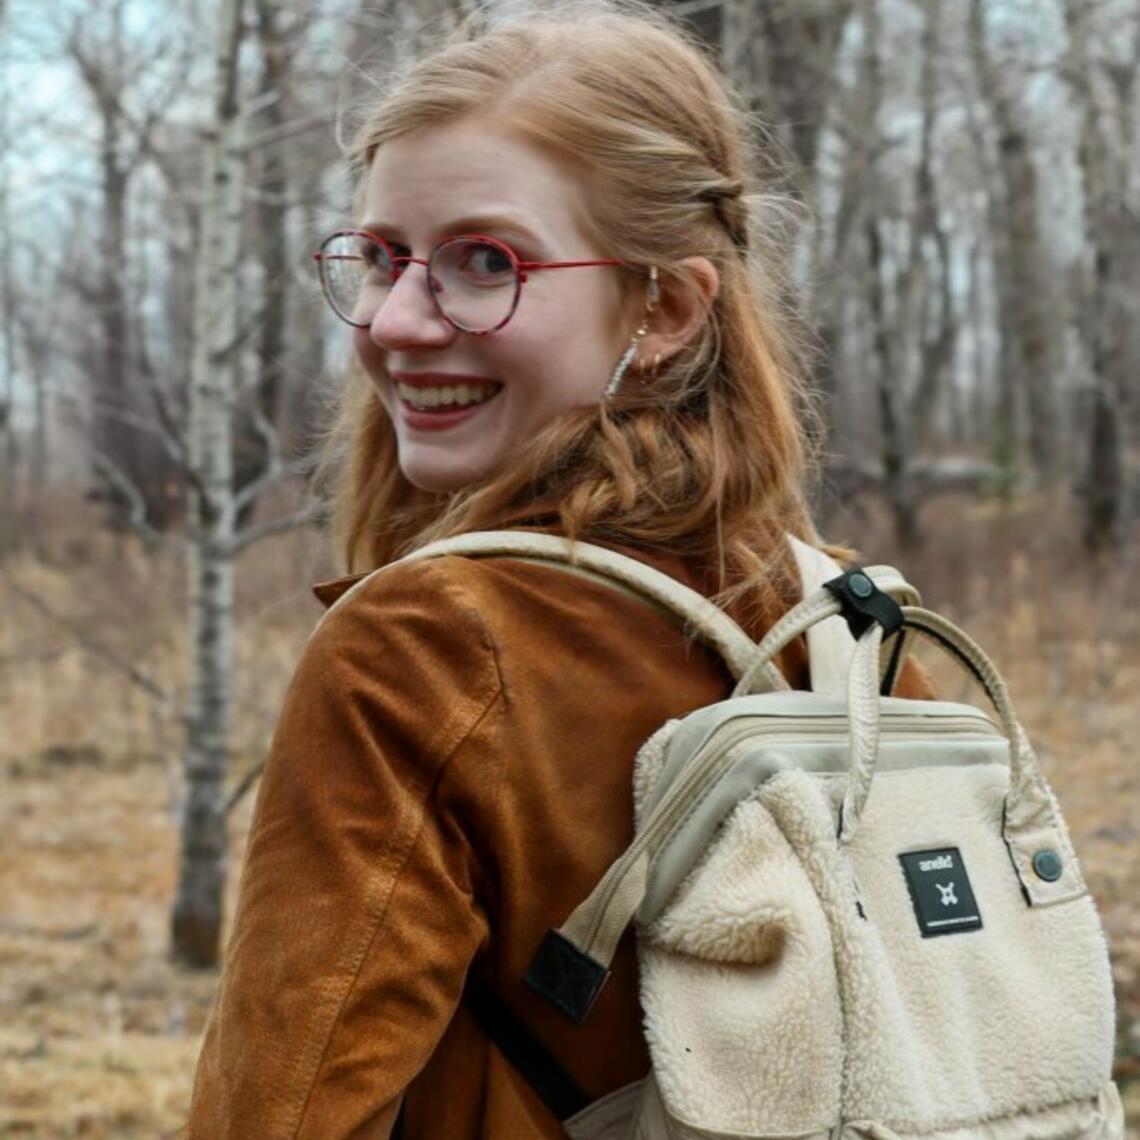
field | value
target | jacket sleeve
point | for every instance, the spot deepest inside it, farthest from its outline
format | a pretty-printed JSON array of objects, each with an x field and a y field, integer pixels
[
  {"x": 358, "y": 914},
  {"x": 914, "y": 682}
]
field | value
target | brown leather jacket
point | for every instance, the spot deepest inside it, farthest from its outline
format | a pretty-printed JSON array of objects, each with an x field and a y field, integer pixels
[{"x": 450, "y": 776}]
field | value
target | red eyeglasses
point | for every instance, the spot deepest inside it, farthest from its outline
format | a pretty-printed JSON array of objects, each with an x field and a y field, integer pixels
[{"x": 473, "y": 280}]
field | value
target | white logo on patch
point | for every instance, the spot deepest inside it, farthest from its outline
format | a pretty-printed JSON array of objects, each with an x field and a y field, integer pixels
[{"x": 948, "y": 898}]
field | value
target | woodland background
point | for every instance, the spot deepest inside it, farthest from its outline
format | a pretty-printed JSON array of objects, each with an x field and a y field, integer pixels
[{"x": 968, "y": 250}]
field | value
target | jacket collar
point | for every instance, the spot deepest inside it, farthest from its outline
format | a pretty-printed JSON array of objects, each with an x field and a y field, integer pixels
[
  {"x": 542, "y": 516},
  {"x": 327, "y": 592},
  {"x": 533, "y": 516}
]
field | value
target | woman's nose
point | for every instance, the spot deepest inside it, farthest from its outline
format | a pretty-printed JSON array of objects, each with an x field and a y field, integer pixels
[{"x": 407, "y": 316}]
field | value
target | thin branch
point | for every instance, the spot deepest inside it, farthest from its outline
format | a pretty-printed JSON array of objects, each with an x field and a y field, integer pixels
[
  {"x": 250, "y": 326},
  {"x": 274, "y": 475},
  {"x": 258, "y": 103},
  {"x": 106, "y": 466},
  {"x": 137, "y": 518},
  {"x": 113, "y": 412},
  {"x": 173, "y": 442},
  {"x": 170, "y": 765},
  {"x": 93, "y": 645},
  {"x": 244, "y": 784},
  {"x": 289, "y": 130},
  {"x": 314, "y": 513},
  {"x": 275, "y": 469},
  {"x": 165, "y": 429}
]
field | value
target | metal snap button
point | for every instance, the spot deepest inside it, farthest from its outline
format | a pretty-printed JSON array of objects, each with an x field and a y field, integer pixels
[
  {"x": 1047, "y": 864},
  {"x": 861, "y": 586}
]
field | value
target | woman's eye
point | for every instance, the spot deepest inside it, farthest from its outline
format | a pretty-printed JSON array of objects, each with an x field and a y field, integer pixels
[
  {"x": 399, "y": 252},
  {"x": 488, "y": 259},
  {"x": 377, "y": 261},
  {"x": 371, "y": 254}
]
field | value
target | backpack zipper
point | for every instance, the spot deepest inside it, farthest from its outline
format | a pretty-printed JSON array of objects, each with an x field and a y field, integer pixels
[{"x": 705, "y": 766}]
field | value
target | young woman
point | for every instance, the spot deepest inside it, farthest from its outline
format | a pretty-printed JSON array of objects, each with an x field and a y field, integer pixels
[{"x": 566, "y": 317}]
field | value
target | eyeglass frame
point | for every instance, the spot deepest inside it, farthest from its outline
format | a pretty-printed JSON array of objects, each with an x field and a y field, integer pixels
[{"x": 399, "y": 263}]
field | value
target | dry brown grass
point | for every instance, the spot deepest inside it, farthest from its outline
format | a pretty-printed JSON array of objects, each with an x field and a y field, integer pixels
[{"x": 102, "y": 1032}]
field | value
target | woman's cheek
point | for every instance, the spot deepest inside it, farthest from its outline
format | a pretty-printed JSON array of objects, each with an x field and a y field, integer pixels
[
  {"x": 362, "y": 342},
  {"x": 372, "y": 361}
]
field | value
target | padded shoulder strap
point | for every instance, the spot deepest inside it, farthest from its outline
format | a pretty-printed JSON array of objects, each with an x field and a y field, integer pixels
[
  {"x": 618, "y": 571},
  {"x": 831, "y": 647},
  {"x": 830, "y": 644}
]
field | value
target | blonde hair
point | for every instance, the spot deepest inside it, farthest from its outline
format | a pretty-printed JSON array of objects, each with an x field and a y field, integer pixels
[{"x": 707, "y": 458}]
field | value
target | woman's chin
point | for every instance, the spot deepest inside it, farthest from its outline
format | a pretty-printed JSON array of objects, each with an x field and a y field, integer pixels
[{"x": 445, "y": 477}]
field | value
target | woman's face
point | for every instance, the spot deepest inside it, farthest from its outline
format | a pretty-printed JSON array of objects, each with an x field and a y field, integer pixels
[{"x": 559, "y": 348}]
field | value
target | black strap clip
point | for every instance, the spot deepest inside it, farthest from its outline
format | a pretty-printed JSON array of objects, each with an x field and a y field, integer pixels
[
  {"x": 569, "y": 979},
  {"x": 864, "y": 603}
]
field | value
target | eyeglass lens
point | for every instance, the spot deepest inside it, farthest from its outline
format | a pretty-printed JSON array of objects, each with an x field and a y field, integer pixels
[{"x": 474, "y": 283}]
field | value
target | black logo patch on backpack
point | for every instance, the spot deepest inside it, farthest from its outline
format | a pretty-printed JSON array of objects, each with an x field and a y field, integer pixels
[{"x": 940, "y": 890}]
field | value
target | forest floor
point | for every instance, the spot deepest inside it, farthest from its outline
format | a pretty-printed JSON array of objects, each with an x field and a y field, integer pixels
[{"x": 100, "y": 1032}]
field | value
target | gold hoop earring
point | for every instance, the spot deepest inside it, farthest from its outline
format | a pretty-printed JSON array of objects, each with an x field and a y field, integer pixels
[{"x": 647, "y": 368}]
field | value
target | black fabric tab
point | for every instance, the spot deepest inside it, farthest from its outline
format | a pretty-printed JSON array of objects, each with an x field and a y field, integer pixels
[
  {"x": 864, "y": 603},
  {"x": 940, "y": 891},
  {"x": 567, "y": 978},
  {"x": 555, "y": 1087}
]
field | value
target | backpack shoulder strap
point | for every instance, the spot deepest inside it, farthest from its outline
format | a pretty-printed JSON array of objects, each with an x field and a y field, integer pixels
[
  {"x": 830, "y": 644},
  {"x": 711, "y": 624}
]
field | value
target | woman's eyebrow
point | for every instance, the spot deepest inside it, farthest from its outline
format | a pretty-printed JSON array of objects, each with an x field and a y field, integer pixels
[
  {"x": 475, "y": 223},
  {"x": 468, "y": 224}
]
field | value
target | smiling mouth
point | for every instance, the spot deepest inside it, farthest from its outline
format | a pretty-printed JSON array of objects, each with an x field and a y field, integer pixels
[{"x": 450, "y": 398}]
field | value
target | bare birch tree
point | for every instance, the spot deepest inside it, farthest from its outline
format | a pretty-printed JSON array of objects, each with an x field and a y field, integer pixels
[
  {"x": 258, "y": 427},
  {"x": 1029, "y": 350},
  {"x": 197, "y": 913},
  {"x": 888, "y": 347},
  {"x": 8, "y": 465},
  {"x": 1108, "y": 308},
  {"x": 108, "y": 64}
]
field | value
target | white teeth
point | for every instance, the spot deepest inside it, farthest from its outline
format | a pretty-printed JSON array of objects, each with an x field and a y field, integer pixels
[{"x": 458, "y": 395}]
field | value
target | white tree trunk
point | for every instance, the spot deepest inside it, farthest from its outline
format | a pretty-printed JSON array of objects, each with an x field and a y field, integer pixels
[
  {"x": 7, "y": 303},
  {"x": 1029, "y": 350},
  {"x": 197, "y": 916},
  {"x": 1104, "y": 312}
]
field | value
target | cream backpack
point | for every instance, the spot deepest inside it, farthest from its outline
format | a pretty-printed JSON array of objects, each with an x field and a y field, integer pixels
[{"x": 858, "y": 917}]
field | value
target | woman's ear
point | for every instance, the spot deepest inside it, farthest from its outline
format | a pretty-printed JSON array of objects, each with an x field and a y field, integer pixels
[{"x": 682, "y": 310}]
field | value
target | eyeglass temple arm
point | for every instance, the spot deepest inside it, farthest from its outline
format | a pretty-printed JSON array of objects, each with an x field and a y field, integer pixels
[{"x": 565, "y": 264}]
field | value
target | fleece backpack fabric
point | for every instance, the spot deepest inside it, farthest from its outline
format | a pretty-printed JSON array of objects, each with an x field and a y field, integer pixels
[{"x": 858, "y": 917}]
